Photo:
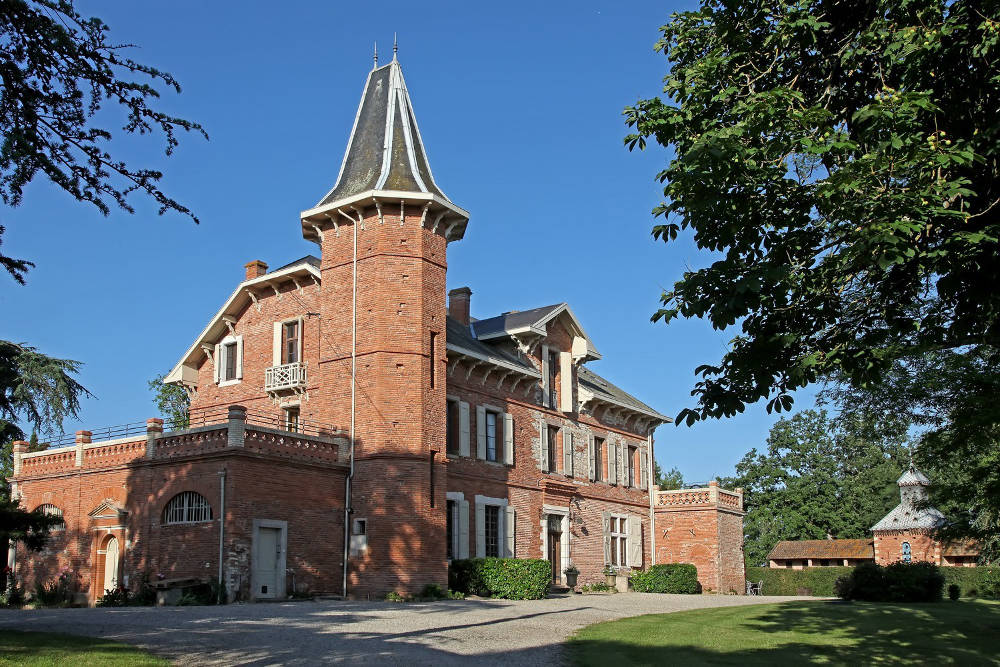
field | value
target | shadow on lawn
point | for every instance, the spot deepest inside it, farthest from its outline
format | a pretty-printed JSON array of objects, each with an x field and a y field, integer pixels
[{"x": 962, "y": 633}]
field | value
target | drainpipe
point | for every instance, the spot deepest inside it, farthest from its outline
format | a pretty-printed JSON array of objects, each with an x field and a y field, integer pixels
[
  {"x": 652, "y": 496},
  {"x": 348, "y": 509},
  {"x": 222, "y": 525}
]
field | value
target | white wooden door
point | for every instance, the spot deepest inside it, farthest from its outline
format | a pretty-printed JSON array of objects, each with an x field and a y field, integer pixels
[
  {"x": 111, "y": 565},
  {"x": 266, "y": 562}
]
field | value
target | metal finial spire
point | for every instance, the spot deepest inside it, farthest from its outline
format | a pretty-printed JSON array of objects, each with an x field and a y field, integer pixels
[
  {"x": 376, "y": 56},
  {"x": 395, "y": 46}
]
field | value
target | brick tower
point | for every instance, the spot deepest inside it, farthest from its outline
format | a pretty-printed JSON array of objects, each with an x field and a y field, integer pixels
[{"x": 384, "y": 228}]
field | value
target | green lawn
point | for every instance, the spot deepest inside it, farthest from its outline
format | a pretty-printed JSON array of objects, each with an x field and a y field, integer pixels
[
  {"x": 819, "y": 633},
  {"x": 44, "y": 648}
]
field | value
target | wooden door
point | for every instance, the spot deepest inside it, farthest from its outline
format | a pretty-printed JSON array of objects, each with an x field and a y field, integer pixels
[{"x": 555, "y": 552}]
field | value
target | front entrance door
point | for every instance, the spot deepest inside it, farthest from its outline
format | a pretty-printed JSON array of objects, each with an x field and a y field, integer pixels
[
  {"x": 555, "y": 547},
  {"x": 111, "y": 564},
  {"x": 266, "y": 562}
]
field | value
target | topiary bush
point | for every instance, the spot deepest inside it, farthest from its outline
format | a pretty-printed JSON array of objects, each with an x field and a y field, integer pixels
[
  {"x": 667, "y": 578},
  {"x": 897, "y": 582},
  {"x": 508, "y": 578},
  {"x": 818, "y": 581},
  {"x": 954, "y": 592}
]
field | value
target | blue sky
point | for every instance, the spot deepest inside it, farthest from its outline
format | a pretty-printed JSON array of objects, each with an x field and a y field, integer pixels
[{"x": 519, "y": 105}]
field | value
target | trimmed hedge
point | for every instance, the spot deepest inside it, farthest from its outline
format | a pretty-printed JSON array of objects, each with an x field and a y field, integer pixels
[
  {"x": 896, "y": 582},
  {"x": 667, "y": 578},
  {"x": 816, "y": 581},
  {"x": 508, "y": 578}
]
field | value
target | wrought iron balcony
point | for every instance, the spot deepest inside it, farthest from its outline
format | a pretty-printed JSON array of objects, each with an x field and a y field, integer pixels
[{"x": 285, "y": 377}]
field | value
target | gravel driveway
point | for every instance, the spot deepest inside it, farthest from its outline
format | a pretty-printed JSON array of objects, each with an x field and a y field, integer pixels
[{"x": 432, "y": 633}]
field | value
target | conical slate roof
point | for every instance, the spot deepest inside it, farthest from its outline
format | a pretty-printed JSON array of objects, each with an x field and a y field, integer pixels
[
  {"x": 385, "y": 151},
  {"x": 913, "y": 477}
]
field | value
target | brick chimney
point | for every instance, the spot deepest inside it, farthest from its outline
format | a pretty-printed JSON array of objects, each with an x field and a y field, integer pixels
[
  {"x": 459, "y": 300},
  {"x": 256, "y": 269}
]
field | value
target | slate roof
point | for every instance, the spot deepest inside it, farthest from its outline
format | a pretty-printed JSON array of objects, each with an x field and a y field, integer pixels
[
  {"x": 308, "y": 259},
  {"x": 604, "y": 389},
  {"x": 913, "y": 477},
  {"x": 513, "y": 321},
  {"x": 385, "y": 151},
  {"x": 908, "y": 517},
  {"x": 802, "y": 549},
  {"x": 459, "y": 334}
]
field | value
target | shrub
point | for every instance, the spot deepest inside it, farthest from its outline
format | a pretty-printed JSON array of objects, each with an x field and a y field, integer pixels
[
  {"x": 118, "y": 597},
  {"x": 509, "y": 578},
  {"x": 668, "y": 578},
  {"x": 897, "y": 582},
  {"x": 954, "y": 592},
  {"x": 13, "y": 596},
  {"x": 598, "y": 587},
  {"x": 989, "y": 583},
  {"x": 818, "y": 581}
]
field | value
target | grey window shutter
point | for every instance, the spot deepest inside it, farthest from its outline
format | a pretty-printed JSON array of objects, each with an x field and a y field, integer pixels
[
  {"x": 276, "y": 345},
  {"x": 508, "y": 438},
  {"x": 480, "y": 431},
  {"x": 622, "y": 463},
  {"x": 567, "y": 453},
  {"x": 217, "y": 360},
  {"x": 463, "y": 528},
  {"x": 612, "y": 462},
  {"x": 591, "y": 463},
  {"x": 643, "y": 468},
  {"x": 463, "y": 428},
  {"x": 606, "y": 527},
  {"x": 566, "y": 382},
  {"x": 239, "y": 357},
  {"x": 546, "y": 390},
  {"x": 543, "y": 438},
  {"x": 480, "y": 530},
  {"x": 302, "y": 335},
  {"x": 508, "y": 527},
  {"x": 634, "y": 546}
]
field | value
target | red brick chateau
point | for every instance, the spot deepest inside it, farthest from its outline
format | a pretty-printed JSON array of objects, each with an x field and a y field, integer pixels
[{"x": 352, "y": 428}]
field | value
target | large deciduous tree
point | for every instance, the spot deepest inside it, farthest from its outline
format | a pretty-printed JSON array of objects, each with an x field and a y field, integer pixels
[
  {"x": 839, "y": 158},
  {"x": 58, "y": 69},
  {"x": 817, "y": 478}
]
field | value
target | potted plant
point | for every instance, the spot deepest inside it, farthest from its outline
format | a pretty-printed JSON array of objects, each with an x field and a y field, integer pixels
[
  {"x": 571, "y": 574},
  {"x": 609, "y": 575}
]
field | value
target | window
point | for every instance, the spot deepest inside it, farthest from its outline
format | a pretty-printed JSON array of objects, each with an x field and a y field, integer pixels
[
  {"x": 229, "y": 361},
  {"x": 907, "y": 555},
  {"x": 290, "y": 342},
  {"x": 619, "y": 541},
  {"x": 433, "y": 344},
  {"x": 553, "y": 367},
  {"x": 187, "y": 507},
  {"x": 492, "y": 516},
  {"x": 51, "y": 510},
  {"x": 451, "y": 522},
  {"x": 453, "y": 427},
  {"x": 631, "y": 467},
  {"x": 292, "y": 419},
  {"x": 491, "y": 436},
  {"x": 553, "y": 453},
  {"x": 599, "y": 459},
  {"x": 359, "y": 527}
]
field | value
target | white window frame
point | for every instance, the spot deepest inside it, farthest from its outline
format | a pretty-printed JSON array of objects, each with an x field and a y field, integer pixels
[
  {"x": 278, "y": 344},
  {"x": 501, "y": 505},
  {"x": 221, "y": 360},
  {"x": 564, "y": 546},
  {"x": 616, "y": 520}
]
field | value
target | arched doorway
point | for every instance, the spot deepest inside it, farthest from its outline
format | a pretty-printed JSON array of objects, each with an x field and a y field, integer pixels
[{"x": 111, "y": 560}]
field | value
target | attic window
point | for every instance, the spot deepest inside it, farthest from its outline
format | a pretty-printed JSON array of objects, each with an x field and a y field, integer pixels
[{"x": 229, "y": 360}]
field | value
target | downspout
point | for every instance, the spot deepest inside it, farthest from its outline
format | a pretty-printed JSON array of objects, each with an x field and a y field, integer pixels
[
  {"x": 348, "y": 510},
  {"x": 222, "y": 526},
  {"x": 652, "y": 496}
]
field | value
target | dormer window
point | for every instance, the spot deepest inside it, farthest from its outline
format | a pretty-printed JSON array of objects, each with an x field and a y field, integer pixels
[
  {"x": 553, "y": 369},
  {"x": 229, "y": 360},
  {"x": 229, "y": 354}
]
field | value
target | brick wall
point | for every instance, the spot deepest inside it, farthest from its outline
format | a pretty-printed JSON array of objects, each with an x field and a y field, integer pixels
[{"x": 889, "y": 546}]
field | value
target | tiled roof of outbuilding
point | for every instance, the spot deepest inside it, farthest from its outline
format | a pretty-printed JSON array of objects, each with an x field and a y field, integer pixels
[{"x": 803, "y": 549}]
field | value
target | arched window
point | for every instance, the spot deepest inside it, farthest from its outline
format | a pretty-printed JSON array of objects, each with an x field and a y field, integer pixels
[
  {"x": 906, "y": 552},
  {"x": 49, "y": 509},
  {"x": 187, "y": 507}
]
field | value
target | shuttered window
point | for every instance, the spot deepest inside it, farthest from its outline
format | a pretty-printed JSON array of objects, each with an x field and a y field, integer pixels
[
  {"x": 452, "y": 529},
  {"x": 553, "y": 452},
  {"x": 598, "y": 459},
  {"x": 491, "y": 515},
  {"x": 491, "y": 436},
  {"x": 229, "y": 361},
  {"x": 619, "y": 540},
  {"x": 290, "y": 342},
  {"x": 187, "y": 507},
  {"x": 631, "y": 467},
  {"x": 453, "y": 427}
]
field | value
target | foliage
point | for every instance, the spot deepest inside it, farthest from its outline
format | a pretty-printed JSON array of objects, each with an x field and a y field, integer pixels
[
  {"x": 948, "y": 399},
  {"x": 59, "y": 593},
  {"x": 954, "y": 592},
  {"x": 114, "y": 597},
  {"x": 143, "y": 595},
  {"x": 840, "y": 162},
  {"x": 990, "y": 583},
  {"x": 393, "y": 596},
  {"x": 797, "y": 633},
  {"x": 509, "y": 578},
  {"x": 819, "y": 477},
  {"x": 13, "y": 594},
  {"x": 598, "y": 587},
  {"x": 896, "y": 582},
  {"x": 172, "y": 402},
  {"x": 42, "y": 649},
  {"x": 668, "y": 481},
  {"x": 817, "y": 581},
  {"x": 31, "y": 529},
  {"x": 59, "y": 72},
  {"x": 667, "y": 578}
]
